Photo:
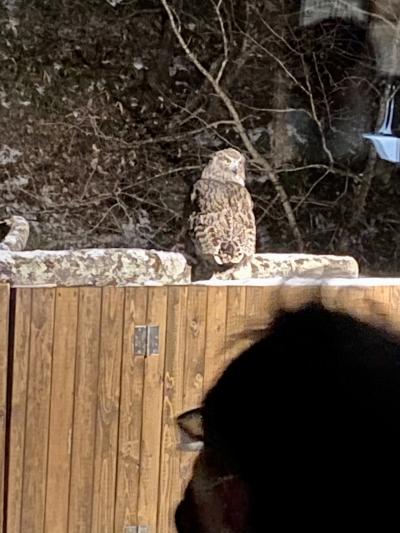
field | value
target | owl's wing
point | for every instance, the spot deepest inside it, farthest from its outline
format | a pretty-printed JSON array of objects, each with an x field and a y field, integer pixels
[
  {"x": 209, "y": 196},
  {"x": 222, "y": 215}
]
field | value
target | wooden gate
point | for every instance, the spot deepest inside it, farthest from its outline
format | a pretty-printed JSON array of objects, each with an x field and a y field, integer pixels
[{"x": 96, "y": 379}]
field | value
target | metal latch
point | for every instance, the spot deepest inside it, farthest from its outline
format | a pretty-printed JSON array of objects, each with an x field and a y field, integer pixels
[
  {"x": 136, "y": 529},
  {"x": 146, "y": 342}
]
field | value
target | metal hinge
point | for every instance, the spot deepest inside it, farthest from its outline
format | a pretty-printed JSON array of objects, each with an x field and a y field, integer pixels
[
  {"x": 136, "y": 529},
  {"x": 146, "y": 342}
]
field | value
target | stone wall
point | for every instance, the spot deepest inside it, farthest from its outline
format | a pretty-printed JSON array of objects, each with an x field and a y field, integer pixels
[
  {"x": 124, "y": 267},
  {"x": 136, "y": 266}
]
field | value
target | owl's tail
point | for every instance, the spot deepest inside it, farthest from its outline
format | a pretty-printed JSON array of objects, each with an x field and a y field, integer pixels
[{"x": 229, "y": 254}]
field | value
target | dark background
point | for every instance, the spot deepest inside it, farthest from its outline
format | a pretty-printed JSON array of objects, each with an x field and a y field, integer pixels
[{"x": 105, "y": 123}]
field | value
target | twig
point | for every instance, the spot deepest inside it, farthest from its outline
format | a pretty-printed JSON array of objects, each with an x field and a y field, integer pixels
[
  {"x": 328, "y": 168},
  {"x": 225, "y": 41},
  {"x": 314, "y": 113}
]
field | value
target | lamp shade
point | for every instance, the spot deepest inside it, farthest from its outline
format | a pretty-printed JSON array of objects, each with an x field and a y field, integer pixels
[{"x": 387, "y": 140}]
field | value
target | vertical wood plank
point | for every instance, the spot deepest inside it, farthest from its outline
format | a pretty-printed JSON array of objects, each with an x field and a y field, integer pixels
[
  {"x": 195, "y": 347},
  {"x": 61, "y": 410},
  {"x": 130, "y": 425},
  {"x": 214, "y": 357},
  {"x": 388, "y": 299},
  {"x": 108, "y": 410},
  {"x": 170, "y": 483},
  {"x": 193, "y": 376},
  {"x": 236, "y": 337},
  {"x": 261, "y": 304},
  {"x": 38, "y": 408},
  {"x": 152, "y": 408},
  {"x": 4, "y": 319},
  {"x": 18, "y": 407},
  {"x": 85, "y": 409}
]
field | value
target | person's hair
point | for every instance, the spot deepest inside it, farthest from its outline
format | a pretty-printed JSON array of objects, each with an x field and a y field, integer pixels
[{"x": 309, "y": 418}]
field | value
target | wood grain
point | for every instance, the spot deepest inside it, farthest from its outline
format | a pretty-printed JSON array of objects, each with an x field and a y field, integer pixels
[
  {"x": 108, "y": 391},
  {"x": 214, "y": 356},
  {"x": 38, "y": 410},
  {"x": 61, "y": 410},
  {"x": 131, "y": 410},
  {"x": 152, "y": 409},
  {"x": 193, "y": 377},
  {"x": 170, "y": 483},
  {"x": 85, "y": 410},
  {"x": 18, "y": 407}
]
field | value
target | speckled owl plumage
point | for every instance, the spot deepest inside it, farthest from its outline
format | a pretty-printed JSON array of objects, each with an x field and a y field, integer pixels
[{"x": 221, "y": 223}]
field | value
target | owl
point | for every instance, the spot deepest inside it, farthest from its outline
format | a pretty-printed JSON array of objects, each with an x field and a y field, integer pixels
[{"x": 221, "y": 225}]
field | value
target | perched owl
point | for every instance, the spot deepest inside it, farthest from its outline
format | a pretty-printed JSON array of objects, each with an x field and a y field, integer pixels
[{"x": 222, "y": 228}]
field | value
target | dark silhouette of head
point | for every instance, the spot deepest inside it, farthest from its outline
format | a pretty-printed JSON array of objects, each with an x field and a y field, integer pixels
[{"x": 302, "y": 430}]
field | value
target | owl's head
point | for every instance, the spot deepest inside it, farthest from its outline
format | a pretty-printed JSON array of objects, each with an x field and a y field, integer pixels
[{"x": 226, "y": 165}]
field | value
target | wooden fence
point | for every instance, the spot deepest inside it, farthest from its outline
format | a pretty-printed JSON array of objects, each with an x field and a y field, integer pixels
[{"x": 87, "y": 438}]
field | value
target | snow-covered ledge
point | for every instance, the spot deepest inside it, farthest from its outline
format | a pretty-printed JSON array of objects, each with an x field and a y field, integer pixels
[
  {"x": 131, "y": 266},
  {"x": 98, "y": 267},
  {"x": 303, "y": 265},
  {"x": 17, "y": 233}
]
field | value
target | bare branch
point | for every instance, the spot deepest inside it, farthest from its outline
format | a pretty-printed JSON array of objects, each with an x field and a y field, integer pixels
[
  {"x": 224, "y": 39},
  {"x": 177, "y": 137}
]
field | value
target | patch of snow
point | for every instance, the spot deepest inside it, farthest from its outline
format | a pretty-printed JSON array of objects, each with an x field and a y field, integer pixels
[
  {"x": 138, "y": 63},
  {"x": 178, "y": 63},
  {"x": 256, "y": 133},
  {"x": 305, "y": 282},
  {"x": 9, "y": 155},
  {"x": 11, "y": 5},
  {"x": 17, "y": 182},
  {"x": 114, "y": 3}
]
